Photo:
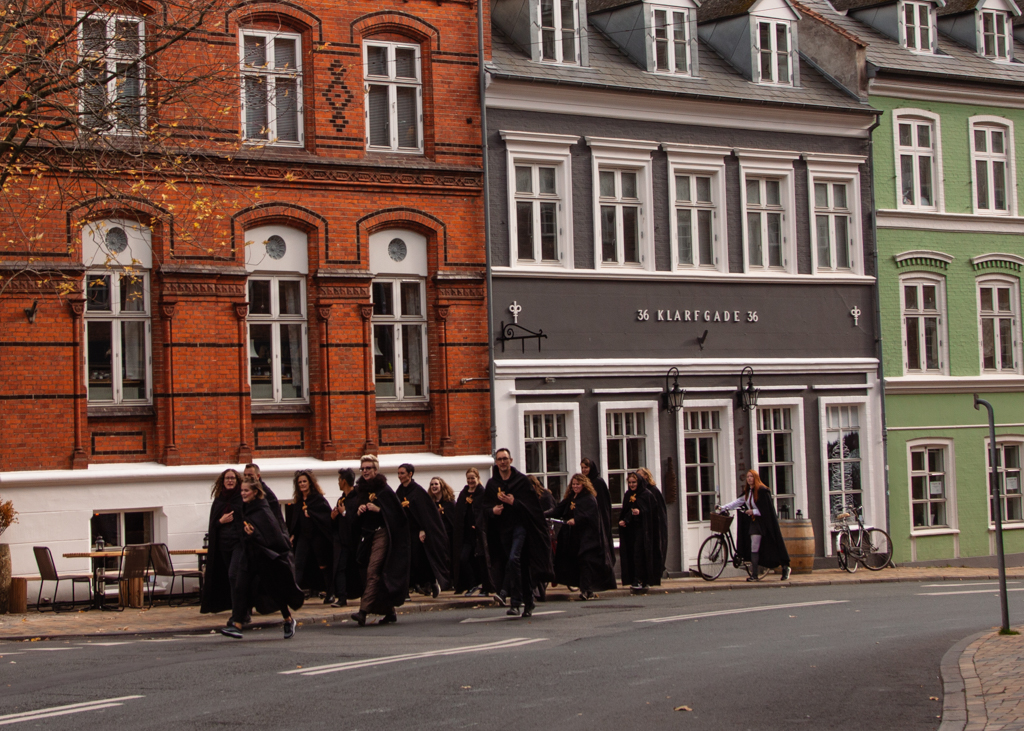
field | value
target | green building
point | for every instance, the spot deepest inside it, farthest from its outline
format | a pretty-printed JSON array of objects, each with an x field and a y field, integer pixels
[{"x": 950, "y": 255}]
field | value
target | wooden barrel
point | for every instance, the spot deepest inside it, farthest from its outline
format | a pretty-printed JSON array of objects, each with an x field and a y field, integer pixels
[{"x": 799, "y": 537}]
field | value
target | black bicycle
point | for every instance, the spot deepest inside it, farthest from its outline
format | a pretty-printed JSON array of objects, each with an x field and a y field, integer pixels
[
  {"x": 719, "y": 549},
  {"x": 871, "y": 546}
]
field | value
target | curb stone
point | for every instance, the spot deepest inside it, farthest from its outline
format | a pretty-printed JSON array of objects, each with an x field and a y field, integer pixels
[{"x": 955, "y": 707}]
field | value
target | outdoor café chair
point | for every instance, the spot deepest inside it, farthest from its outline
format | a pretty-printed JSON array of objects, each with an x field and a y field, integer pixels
[
  {"x": 163, "y": 565},
  {"x": 135, "y": 564},
  {"x": 48, "y": 572}
]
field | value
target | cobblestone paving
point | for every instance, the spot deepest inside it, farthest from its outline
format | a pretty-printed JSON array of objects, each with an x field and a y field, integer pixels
[{"x": 993, "y": 672}]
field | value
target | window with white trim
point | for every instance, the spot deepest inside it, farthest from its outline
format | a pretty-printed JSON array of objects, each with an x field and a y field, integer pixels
[
  {"x": 700, "y": 462},
  {"x": 400, "y": 339},
  {"x": 766, "y": 238},
  {"x": 990, "y": 152},
  {"x": 118, "y": 333},
  {"x": 113, "y": 75},
  {"x": 929, "y": 495},
  {"x": 917, "y": 26},
  {"x": 695, "y": 214},
  {"x": 559, "y": 31},
  {"x": 545, "y": 444},
  {"x": 775, "y": 456},
  {"x": 773, "y": 49},
  {"x": 916, "y": 155},
  {"x": 833, "y": 226},
  {"x": 924, "y": 312},
  {"x": 278, "y": 364},
  {"x": 843, "y": 457},
  {"x": 271, "y": 87},
  {"x": 996, "y": 41},
  {"x": 394, "y": 96},
  {"x": 620, "y": 216},
  {"x": 538, "y": 213},
  {"x": 999, "y": 324},
  {"x": 671, "y": 41},
  {"x": 1008, "y": 466},
  {"x": 626, "y": 445}
]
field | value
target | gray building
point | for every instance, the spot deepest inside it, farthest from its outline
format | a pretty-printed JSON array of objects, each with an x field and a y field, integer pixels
[{"x": 675, "y": 187}]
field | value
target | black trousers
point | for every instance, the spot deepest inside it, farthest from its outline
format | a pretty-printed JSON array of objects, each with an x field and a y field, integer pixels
[
  {"x": 238, "y": 580},
  {"x": 341, "y": 574},
  {"x": 320, "y": 549}
]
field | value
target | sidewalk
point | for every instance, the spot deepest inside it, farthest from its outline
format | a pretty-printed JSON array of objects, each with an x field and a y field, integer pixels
[
  {"x": 983, "y": 683},
  {"x": 164, "y": 619}
]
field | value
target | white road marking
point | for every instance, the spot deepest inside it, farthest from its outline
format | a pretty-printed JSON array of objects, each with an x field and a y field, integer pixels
[
  {"x": 976, "y": 583},
  {"x": 65, "y": 710},
  {"x": 51, "y": 649},
  {"x": 972, "y": 591},
  {"x": 474, "y": 620},
  {"x": 372, "y": 662},
  {"x": 107, "y": 644},
  {"x": 160, "y": 640},
  {"x": 702, "y": 615}
]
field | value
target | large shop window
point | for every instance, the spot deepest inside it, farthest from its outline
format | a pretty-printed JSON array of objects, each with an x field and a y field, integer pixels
[
  {"x": 272, "y": 87},
  {"x": 1008, "y": 466},
  {"x": 999, "y": 324},
  {"x": 626, "y": 443},
  {"x": 929, "y": 485},
  {"x": 775, "y": 456},
  {"x": 842, "y": 452},
  {"x": 559, "y": 31},
  {"x": 991, "y": 150},
  {"x": 394, "y": 97},
  {"x": 118, "y": 335},
  {"x": 399, "y": 339},
  {"x": 277, "y": 339},
  {"x": 113, "y": 81},
  {"x": 546, "y": 448},
  {"x": 916, "y": 26},
  {"x": 918, "y": 162},
  {"x": 700, "y": 463},
  {"x": 924, "y": 308}
]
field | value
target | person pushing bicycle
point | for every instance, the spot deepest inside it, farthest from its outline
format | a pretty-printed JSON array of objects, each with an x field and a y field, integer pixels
[{"x": 758, "y": 537}]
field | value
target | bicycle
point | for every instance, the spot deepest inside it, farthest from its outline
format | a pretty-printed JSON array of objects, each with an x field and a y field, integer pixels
[
  {"x": 719, "y": 549},
  {"x": 872, "y": 546}
]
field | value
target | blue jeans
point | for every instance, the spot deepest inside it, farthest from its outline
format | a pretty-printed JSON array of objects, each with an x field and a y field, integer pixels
[{"x": 517, "y": 571}]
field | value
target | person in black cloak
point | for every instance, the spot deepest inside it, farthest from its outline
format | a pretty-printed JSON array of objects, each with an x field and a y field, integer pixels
[
  {"x": 312, "y": 535},
  {"x": 469, "y": 552},
  {"x": 252, "y": 474},
  {"x": 383, "y": 552},
  {"x": 583, "y": 556},
  {"x": 547, "y": 502},
  {"x": 656, "y": 491},
  {"x": 641, "y": 523},
  {"x": 517, "y": 536},
  {"x": 268, "y": 561},
  {"x": 225, "y": 585},
  {"x": 758, "y": 538},
  {"x": 428, "y": 541},
  {"x": 444, "y": 499},
  {"x": 604, "y": 498},
  {"x": 342, "y": 520}
]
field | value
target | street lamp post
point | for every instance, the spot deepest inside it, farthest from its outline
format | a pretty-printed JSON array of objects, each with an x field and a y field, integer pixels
[{"x": 997, "y": 501}]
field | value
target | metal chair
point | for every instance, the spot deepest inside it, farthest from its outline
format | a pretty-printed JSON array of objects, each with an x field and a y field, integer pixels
[
  {"x": 48, "y": 572},
  {"x": 163, "y": 565}
]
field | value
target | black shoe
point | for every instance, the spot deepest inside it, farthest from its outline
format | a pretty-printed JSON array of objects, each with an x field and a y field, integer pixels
[
  {"x": 527, "y": 612},
  {"x": 231, "y": 631},
  {"x": 435, "y": 590},
  {"x": 786, "y": 571},
  {"x": 513, "y": 611},
  {"x": 338, "y": 603},
  {"x": 500, "y": 598},
  {"x": 388, "y": 619},
  {"x": 360, "y": 618},
  {"x": 753, "y": 578},
  {"x": 330, "y": 599},
  {"x": 289, "y": 627}
]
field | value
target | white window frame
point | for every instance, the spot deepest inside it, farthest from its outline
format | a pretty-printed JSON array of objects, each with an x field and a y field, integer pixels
[
  {"x": 1014, "y": 284},
  {"x": 709, "y": 162},
  {"x": 904, "y": 34},
  {"x": 790, "y": 55},
  {"x": 1007, "y": 22},
  {"x": 551, "y": 150},
  {"x": 631, "y": 156},
  {"x": 837, "y": 169},
  {"x": 275, "y": 319},
  {"x": 116, "y": 317},
  {"x": 1001, "y": 440},
  {"x": 800, "y": 500},
  {"x": 778, "y": 166},
  {"x": 943, "y": 315},
  {"x": 271, "y": 76},
  {"x": 863, "y": 430},
  {"x": 397, "y": 321},
  {"x": 571, "y": 411},
  {"x": 538, "y": 33},
  {"x": 111, "y": 58},
  {"x": 671, "y": 40},
  {"x": 917, "y": 116},
  {"x": 949, "y": 457},
  {"x": 989, "y": 123},
  {"x": 650, "y": 409},
  {"x": 393, "y": 83}
]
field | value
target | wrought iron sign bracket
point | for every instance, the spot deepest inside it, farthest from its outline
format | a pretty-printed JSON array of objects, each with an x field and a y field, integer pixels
[{"x": 515, "y": 331}]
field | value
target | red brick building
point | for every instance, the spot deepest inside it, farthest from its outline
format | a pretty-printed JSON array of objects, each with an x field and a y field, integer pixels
[{"x": 335, "y": 305}]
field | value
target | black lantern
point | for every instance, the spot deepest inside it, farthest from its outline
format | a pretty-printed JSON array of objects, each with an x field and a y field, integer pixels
[
  {"x": 748, "y": 394},
  {"x": 674, "y": 394}
]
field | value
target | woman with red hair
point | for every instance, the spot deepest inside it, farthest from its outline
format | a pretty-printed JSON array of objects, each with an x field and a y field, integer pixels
[{"x": 759, "y": 539}]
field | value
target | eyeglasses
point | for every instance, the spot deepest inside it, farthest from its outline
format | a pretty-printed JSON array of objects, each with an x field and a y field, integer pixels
[{"x": 368, "y": 467}]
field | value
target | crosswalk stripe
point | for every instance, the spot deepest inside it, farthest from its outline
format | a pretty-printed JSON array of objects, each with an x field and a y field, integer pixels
[
  {"x": 65, "y": 710},
  {"x": 744, "y": 610}
]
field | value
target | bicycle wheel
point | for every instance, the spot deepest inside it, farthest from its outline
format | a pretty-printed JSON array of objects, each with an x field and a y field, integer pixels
[
  {"x": 877, "y": 549},
  {"x": 712, "y": 557},
  {"x": 846, "y": 549},
  {"x": 841, "y": 559}
]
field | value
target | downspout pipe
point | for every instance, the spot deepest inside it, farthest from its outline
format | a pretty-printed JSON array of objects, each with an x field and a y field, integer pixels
[{"x": 484, "y": 152}]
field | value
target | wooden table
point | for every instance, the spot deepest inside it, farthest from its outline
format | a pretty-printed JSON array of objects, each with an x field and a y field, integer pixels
[
  {"x": 130, "y": 593},
  {"x": 199, "y": 553}
]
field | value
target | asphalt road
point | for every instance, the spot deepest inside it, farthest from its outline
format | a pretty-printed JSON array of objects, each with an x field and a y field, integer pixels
[{"x": 818, "y": 657}]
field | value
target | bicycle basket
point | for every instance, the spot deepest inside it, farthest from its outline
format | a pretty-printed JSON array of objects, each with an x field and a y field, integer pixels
[{"x": 720, "y": 523}]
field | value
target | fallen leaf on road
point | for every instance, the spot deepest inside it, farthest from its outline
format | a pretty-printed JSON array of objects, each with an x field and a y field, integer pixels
[
  {"x": 298, "y": 666},
  {"x": 792, "y": 616},
  {"x": 933, "y": 698},
  {"x": 682, "y": 708},
  {"x": 466, "y": 687}
]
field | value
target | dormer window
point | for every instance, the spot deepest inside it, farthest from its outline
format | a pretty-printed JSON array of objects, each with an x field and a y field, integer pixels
[
  {"x": 671, "y": 40},
  {"x": 559, "y": 31},
  {"x": 916, "y": 26},
  {"x": 773, "y": 51},
  {"x": 995, "y": 35}
]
